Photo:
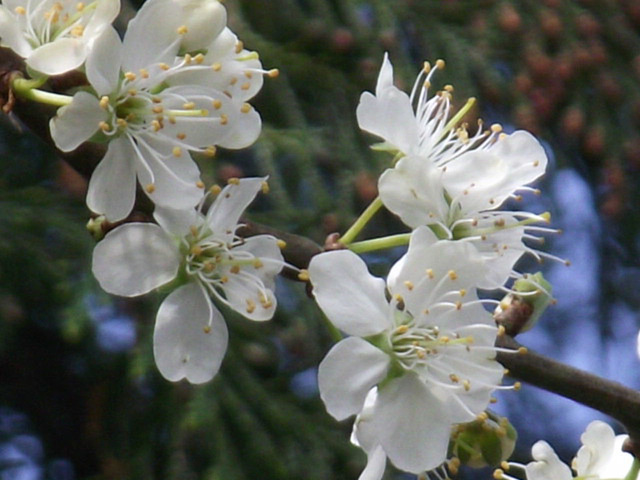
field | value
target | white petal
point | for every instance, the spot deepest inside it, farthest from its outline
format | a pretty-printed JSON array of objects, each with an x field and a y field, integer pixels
[
  {"x": 265, "y": 248},
  {"x": 345, "y": 376},
  {"x": 413, "y": 191},
  {"x": 135, "y": 258},
  {"x": 483, "y": 179},
  {"x": 177, "y": 221},
  {"x": 11, "y": 35},
  {"x": 352, "y": 299},
  {"x": 112, "y": 187},
  {"x": 385, "y": 77},
  {"x": 413, "y": 426},
  {"x": 547, "y": 465},
  {"x": 152, "y": 36},
  {"x": 103, "y": 63},
  {"x": 77, "y": 122},
  {"x": 60, "y": 56},
  {"x": 175, "y": 179},
  {"x": 597, "y": 441},
  {"x": 231, "y": 202},
  {"x": 376, "y": 463},
  {"x": 247, "y": 295},
  {"x": 104, "y": 14},
  {"x": 190, "y": 336},
  {"x": 245, "y": 131},
  {"x": 204, "y": 19}
]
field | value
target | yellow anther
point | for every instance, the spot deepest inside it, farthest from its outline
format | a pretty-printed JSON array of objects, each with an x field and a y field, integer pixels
[
  {"x": 200, "y": 184},
  {"x": 239, "y": 46},
  {"x": 157, "y": 109},
  {"x": 501, "y": 432},
  {"x": 104, "y": 102},
  {"x": 245, "y": 108},
  {"x": 199, "y": 58},
  {"x": 426, "y": 311},
  {"x": 164, "y": 66},
  {"x": 448, "y": 88},
  {"x": 266, "y": 304},
  {"x": 281, "y": 244},
  {"x": 209, "y": 267},
  {"x": 177, "y": 152},
  {"x": 517, "y": 386},
  {"x": 430, "y": 273},
  {"x": 245, "y": 86},
  {"x": 505, "y": 371},
  {"x": 504, "y": 465},
  {"x": 217, "y": 104},
  {"x": 257, "y": 263},
  {"x": 273, "y": 73},
  {"x": 233, "y": 181},
  {"x": 182, "y": 29},
  {"x": 462, "y": 292},
  {"x": 248, "y": 74},
  {"x": 144, "y": 73},
  {"x": 493, "y": 400},
  {"x": 189, "y": 105},
  {"x": 466, "y": 384},
  {"x": 402, "y": 329},
  {"x": 440, "y": 64},
  {"x": 233, "y": 80},
  {"x": 265, "y": 187},
  {"x": 251, "y": 306},
  {"x": 20, "y": 10},
  {"x": 408, "y": 284},
  {"x": 224, "y": 279},
  {"x": 445, "y": 339},
  {"x": 224, "y": 119},
  {"x": 196, "y": 250},
  {"x": 130, "y": 76},
  {"x": 187, "y": 59},
  {"x": 79, "y": 6},
  {"x": 206, "y": 329},
  {"x": 181, "y": 136},
  {"x": 77, "y": 31},
  {"x": 421, "y": 354},
  {"x": 498, "y": 474},
  {"x": 216, "y": 66},
  {"x": 426, "y": 67},
  {"x": 122, "y": 123},
  {"x": 235, "y": 269},
  {"x": 132, "y": 92},
  {"x": 452, "y": 275},
  {"x": 398, "y": 297},
  {"x": 454, "y": 378},
  {"x": 303, "y": 276},
  {"x": 150, "y": 188},
  {"x": 215, "y": 189},
  {"x": 194, "y": 230},
  {"x": 156, "y": 125},
  {"x": 496, "y": 128},
  {"x": 458, "y": 305},
  {"x": 104, "y": 126},
  {"x": 501, "y": 330},
  {"x": 522, "y": 350},
  {"x": 482, "y": 417}
]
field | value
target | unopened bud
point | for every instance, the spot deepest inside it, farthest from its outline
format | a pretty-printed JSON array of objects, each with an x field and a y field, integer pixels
[{"x": 95, "y": 227}]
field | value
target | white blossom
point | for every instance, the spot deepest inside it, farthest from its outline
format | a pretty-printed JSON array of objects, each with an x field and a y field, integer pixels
[
  {"x": 204, "y": 252},
  {"x": 429, "y": 349},
  {"x": 54, "y": 36},
  {"x": 150, "y": 127},
  {"x": 600, "y": 458},
  {"x": 451, "y": 181}
]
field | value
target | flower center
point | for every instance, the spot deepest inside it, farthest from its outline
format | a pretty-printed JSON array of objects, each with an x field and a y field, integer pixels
[{"x": 52, "y": 20}]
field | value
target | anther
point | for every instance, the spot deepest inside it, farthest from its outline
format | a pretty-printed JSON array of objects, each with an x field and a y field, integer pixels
[
  {"x": 182, "y": 29},
  {"x": 454, "y": 378},
  {"x": 452, "y": 275},
  {"x": 144, "y": 73},
  {"x": 224, "y": 119},
  {"x": 251, "y": 306},
  {"x": 273, "y": 73},
  {"x": 181, "y": 136},
  {"x": 257, "y": 263},
  {"x": 402, "y": 329},
  {"x": 199, "y": 58},
  {"x": 504, "y": 465},
  {"x": 157, "y": 109},
  {"x": 233, "y": 80},
  {"x": 501, "y": 331},
  {"x": 200, "y": 184},
  {"x": 156, "y": 125},
  {"x": 482, "y": 417},
  {"x": 130, "y": 76},
  {"x": 440, "y": 64},
  {"x": 245, "y": 86},
  {"x": 206, "y": 329},
  {"x": 215, "y": 189},
  {"x": 303, "y": 276},
  {"x": 217, "y": 104},
  {"x": 499, "y": 223},
  {"x": 522, "y": 350},
  {"x": 430, "y": 273},
  {"x": 426, "y": 67},
  {"x": 164, "y": 66},
  {"x": 408, "y": 284},
  {"x": 235, "y": 269},
  {"x": 265, "y": 187},
  {"x": 177, "y": 152},
  {"x": 398, "y": 297},
  {"x": 245, "y": 108},
  {"x": 224, "y": 279},
  {"x": 189, "y": 105},
  {"x": 194, "y": 230},
  {"x": 216, "y": 66},
  {"x": 20, "y": 10},
  {"x": 104, "y": 126},
  {"x": 196, "y": 250},
  {"x": 150, "y": 188},
  {"x": 239, "y": 46},
  {"x": 498, "y": 474},
  {"x": 466, "y": 384},
  {"x": 210, "y": 151},
  {"x": 233, "y": 181},
  {"x": 281, "y": 244},
  {"x": 496, "y": 128},
  {"x": 448, "y": 88},
  {"x": 517, "y": 386},
  {"x": 462, "y": 292},
  {"x": 104, "y": 102},
  {"x": 458, "y": 305}
]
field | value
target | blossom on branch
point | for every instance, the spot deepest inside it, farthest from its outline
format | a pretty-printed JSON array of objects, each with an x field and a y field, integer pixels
[
  {"x": 450, "y": 180},
  {"x": 600, "y": 458},
  {"x": 429, "y": 350},
  {"x": 150, "y": 122},
  {"x": 54, "y": 36},
  {"x": 203, "y": 253}
]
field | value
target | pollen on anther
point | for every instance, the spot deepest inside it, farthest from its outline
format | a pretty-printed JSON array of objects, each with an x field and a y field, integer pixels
[
  {"x": 104, "y": 102},
  {"x": 517, "y": 386},
  {"x": 281, "y": 244},
  {"x": 200, "y": 184},
  {"x": 408, "y": 284},
  {"x": 496, "y": 128},
  {"x": 303, "y": 276},
  {"x": 440, "y": 64},
  {"x": 430, "y": 273},
  {"x": 182, "y": 29},
  {"x": 235, "y": 269},
  {"x": 150, "y": 188},
  {"x": 452, "y": 275},
  {"x": 206, "y": 329},
  {"x": 245, "y": 108},
  {"x": 104, "y": 126},
  {"x": 245, "y": 86},
  {"x": 467, "y": 385},
  {"x": 257, "y": 263},
  {"x": 251, "y": 306},
  {"x": 239, "y": 46},
  {"x": 216, "y": 67},
  {"x": 273, "y": 73},
  {"x": 189, "y": 105},
  {"x": 130, "y": 76},
  {"x": 224, "y": 119},
  {"x": 210, "y": 151},
  {"x": 264, "y": 187},
  {"x": 194, "y": 230},
  {"x": 196, "y": 250},
  {"x": 20, "y": 10},
  {"x": 177, "y": 152},
  {"x": 233, "y": 181}
]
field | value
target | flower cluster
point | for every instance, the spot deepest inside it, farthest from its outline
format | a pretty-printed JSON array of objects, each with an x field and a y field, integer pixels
[
  {"x": 600, "y": 457},
  {"x": 420, "y": 355},
  {"x": 177, "y": 83}
]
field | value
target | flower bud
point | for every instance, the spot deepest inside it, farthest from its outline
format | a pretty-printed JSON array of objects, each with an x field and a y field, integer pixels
[
  {"x": 487, "y": 441},
  {"x": 95, "y": 227},
  {"x": 204, "y": 21},
  {"x": 520, "y": 310}
]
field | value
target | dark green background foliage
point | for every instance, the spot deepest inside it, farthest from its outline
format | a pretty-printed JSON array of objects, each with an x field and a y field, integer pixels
[{"x": 568, "y": 71}]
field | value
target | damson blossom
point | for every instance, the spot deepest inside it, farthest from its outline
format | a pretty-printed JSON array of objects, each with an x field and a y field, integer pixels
[
  {"x": 204, "y": 253},
  {"x": 54, "y": 36},
  {"x": 449, "y": 180},
  {"x": 150, "y": 126},
  {"x": 600, "y": 458},
  {"x": 429, "y": 350}
]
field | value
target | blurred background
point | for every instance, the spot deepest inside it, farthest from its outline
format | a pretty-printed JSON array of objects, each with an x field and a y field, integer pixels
[{"x": 80, "y": 397}]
